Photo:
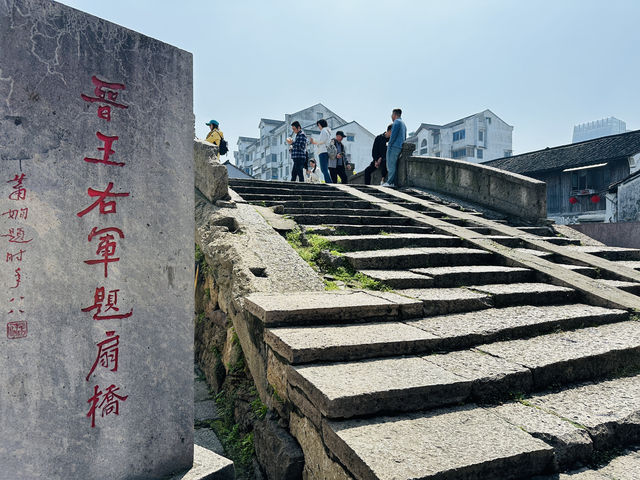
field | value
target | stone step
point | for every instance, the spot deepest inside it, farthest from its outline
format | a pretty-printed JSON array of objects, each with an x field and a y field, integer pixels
[
  {"x": 403, "y": 258},
  {"x": 334, "y": 343},
  {"x": 395, "y": 240},
  {"x": 610, "y": 253},
  {"x": 631, "y": 287},
  {"x": 538, "y": 231},
  {"x": 625, "y": 466},
  {"x": 320, "y": 308},
  {"x": 321, "y": 196},
  {"x": 440, "y": 301},
  {"x": 630, "y": 264},
  {"x": 448, "y": 444},
  {"x": 584, "y": 270},
  {"x": 475, "y": 275},
  {"x": 582, "y": 420},
  {"x": 560, "y": 240},
  {"x": 278, "y": 191},
  {"x": 490, "y": 372},
  {"x": 338, "y": 229},
  {"x": 240, "y": 183},
  {"x": 347, "y": 219},
  {"x": 337, "y": 211},
  {"x": 399, "y": 279},
  {"x": 504, "y": 295},
  {"x": 344, "y": 203}
]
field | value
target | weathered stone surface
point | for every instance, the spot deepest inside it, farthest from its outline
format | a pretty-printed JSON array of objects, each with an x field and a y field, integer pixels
[
  {"x": 393, "y": 241},
  {"x": 200, "y": 391},
  {"x": 317, "y": 463},
  {"x": 439, "y": 301},
  {"x": 572, "y": 445},
  {"x": 205, "y": 411},
  {"x": 326, "y": 307},
  {"x": 472, "y": 328},
  {"x": 279, "y": 223},
  {"x": 347, "y": 342},
  {"x": 399, "y": 278},
  {"x": 50, "y": 56},
  {"x": 610, "y": 253},
  {"x": 466, "y": 442},
  {"x": 208, "y": 465},
  {"x": 207, "y": 438},
  {"x": 475, "y": 274},
  {"x": 583, "y": 354},
  {"x": 279, "y": 454},
  {"x": 526, "y": 293},
  {"x": 624, "y": 467},
  {"x": 416, "y": 257},
  {"x": 609, "y": 411},
  {"x": 343, "y": 390},
  {"x": 493, "y": 378},
  {"x": 211, "y": 178},
  {"x": 232, "y": 353}
]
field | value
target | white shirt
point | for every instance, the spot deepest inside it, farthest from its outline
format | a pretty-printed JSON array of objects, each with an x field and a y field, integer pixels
[{"x": 323, "y": 140}]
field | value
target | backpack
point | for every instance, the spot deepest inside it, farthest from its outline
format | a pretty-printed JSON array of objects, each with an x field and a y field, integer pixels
[
  {"x": 332, "y": 150},
  {"x": 224, "y": 147}
]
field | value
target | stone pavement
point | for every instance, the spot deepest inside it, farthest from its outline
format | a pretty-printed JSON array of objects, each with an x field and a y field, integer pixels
[
  {"x": 209, "y": 462},
  {"x": 505, "y": 351}
]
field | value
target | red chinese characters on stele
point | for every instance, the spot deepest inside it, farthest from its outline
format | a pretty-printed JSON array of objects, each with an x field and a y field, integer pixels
[
  {"x": 105, "y": 93},
  {"x": 17, "y": 329},
  {"x": 106, "y": 402}
]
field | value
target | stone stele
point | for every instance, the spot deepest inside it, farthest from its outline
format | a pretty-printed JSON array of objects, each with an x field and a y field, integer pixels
[{"x": 96, "y": 194}]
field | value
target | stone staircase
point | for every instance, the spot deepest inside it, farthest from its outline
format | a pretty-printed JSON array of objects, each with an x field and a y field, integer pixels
[{"x": 504, "y": 351}]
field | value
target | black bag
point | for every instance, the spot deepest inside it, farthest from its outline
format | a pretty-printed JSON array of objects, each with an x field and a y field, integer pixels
[{"x": 224, "y": 147}]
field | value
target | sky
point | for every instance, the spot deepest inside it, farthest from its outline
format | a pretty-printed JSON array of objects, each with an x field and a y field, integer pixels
[{"x": 542, "y": 66}]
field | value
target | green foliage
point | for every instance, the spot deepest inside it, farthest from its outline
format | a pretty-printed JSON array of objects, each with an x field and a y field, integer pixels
[
  {"x": 207, "y": 293},
  {"x": 259, "y": 408},
  {"x": 199, "y": 256},
  {"x": 200, "y": 318},
  {"x": 310, "y": 248}
]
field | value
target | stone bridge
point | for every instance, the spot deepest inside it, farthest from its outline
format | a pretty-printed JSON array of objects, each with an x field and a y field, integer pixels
[{"x": 429, "y": 332}]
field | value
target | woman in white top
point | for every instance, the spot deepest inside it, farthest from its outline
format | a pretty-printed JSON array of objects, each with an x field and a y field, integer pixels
[
  {"x": 312, "y": 173},
  {"x": 321, "y": 149}
]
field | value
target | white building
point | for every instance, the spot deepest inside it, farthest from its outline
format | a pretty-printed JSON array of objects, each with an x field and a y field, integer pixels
[
  {"x": 597, "y": 129},
  {"x": 267, "y": 157},
  {"x": 477, "y": 138}
]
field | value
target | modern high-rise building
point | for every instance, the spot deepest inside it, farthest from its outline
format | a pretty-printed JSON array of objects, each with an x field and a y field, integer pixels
[
  {"x": 598, "y": 128},
  {"x": 477, "y": 138}
]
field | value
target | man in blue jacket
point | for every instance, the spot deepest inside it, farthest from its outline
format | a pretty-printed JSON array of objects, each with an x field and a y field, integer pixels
[{"x": 394, "y": 147}]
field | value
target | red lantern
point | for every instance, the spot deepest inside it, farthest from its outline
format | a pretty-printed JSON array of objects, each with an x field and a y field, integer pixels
[
  {"x": 573, "y": 200},
  {"x": 595, "y": 199}
]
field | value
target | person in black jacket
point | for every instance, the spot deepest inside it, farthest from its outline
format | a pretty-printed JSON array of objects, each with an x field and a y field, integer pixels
[{"x": 379, "y": 154}]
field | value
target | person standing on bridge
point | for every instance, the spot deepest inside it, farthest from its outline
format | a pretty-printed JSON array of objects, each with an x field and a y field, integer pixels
[
  {"x": 298, "y": 152},
  {"x": 338, "y": 163},
  {"x": 214, "y": 136},
  {"x": 321, "y": 148},
  {"x": 379, "y": 154},
  {"x": 397, "y": 138}
]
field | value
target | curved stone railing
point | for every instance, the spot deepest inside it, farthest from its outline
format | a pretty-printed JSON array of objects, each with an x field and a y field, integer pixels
[{"x": 506, "y": 192}]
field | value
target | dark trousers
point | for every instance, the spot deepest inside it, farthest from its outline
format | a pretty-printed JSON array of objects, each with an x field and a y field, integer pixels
[
  {"x": 339, "y": 171},
  {"x": 372, "y": 167},
  {"x": 296, "y": 171}
]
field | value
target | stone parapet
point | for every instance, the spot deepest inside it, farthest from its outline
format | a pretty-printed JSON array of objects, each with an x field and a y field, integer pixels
[{"x": 211, "y": 177}]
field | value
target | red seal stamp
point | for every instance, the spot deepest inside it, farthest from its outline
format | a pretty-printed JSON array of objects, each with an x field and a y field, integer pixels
[{"x": 17, "y": 329}]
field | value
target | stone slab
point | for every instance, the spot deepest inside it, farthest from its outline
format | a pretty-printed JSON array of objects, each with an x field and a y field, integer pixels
[
  {"x": 440, "y": 301},
  {"x": 457, "y": 276},
  {"x": 131, "y": 135},
  {"x": 508, "y": 294},
  {"x": 207, "y": 465},
  {"x": 306, "y": 308},
  {"x": 399, "y": 279},
  {"x": 200, "y": 391},
  {"x": 572, "y": 445},
  {"x": 207, "y": 438},
  {"x": 493, "y": 378},
  {"x": 400, "y": 258},
  {"x": 624, "y": 467},
  {"x": 472, "y": 328},
  {"x": 343, "y": 390},
  {"x": 609, "y": 411},
  {"x": 467, "y": 442},
  {"x": 393, "y": 241},
  {"x": 577, "y": 355},
  {"x": 347, "y": 342},
  {"x": 610, "y": 253},
  {"x": 211, "y": 178},
  {"x": 205, "y": 411}
]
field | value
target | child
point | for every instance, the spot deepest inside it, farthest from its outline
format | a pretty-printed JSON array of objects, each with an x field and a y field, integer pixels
[{"x": 312, "y": 173}]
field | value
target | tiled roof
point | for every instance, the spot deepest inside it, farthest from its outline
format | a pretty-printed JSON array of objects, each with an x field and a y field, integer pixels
[{"x": 590, "y": 152}]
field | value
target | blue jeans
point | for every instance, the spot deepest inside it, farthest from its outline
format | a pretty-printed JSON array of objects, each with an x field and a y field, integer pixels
[
  {"x": 392, "y": 164},
  {"x": 324, "y": 166}
]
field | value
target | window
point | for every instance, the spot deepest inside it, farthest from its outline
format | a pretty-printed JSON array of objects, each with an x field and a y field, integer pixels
[
  {"x": 437, "y": 154},
  {"x": 318, "y": 115},
  {"x": 460, "y": 153},
  {"x": 457, "y": 136},
  {"x": 436, "y": 138},
  {"x": 423, "y": 147},
  {"x": 274, "y": 141},
  {"x": 350, "y": 138},
  {"x": 488, "y": 119},
  {"x": 481, "y": 135},
  {"x": 274, "y": 157},
  {"x": 479, "y": 154},
  {"x": 507, "y": 153}
]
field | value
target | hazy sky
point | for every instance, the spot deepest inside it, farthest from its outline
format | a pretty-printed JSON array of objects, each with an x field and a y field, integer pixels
[{"x": 542, "y": 66}]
